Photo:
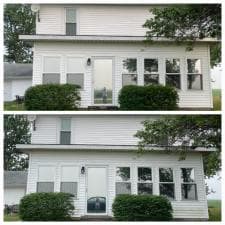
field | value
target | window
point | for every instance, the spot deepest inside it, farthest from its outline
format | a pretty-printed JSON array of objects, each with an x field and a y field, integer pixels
[
  {"x": 71, "y": 25},
  {"x": 144, "y": 180},
  {"x": 123, "y": 184},
  {"x": 173, "y": 73},
  {"x": 188, "y": 186},
  {"x": 129, "y": 74},
  {"x": 151, "y": 74},
  {"x": 51, "y": 70},
  {"x": 69, "y": 179},
  {"x": 194, "y": 75},
  {"x": 75, "y": 71},
  {"x": 46, "y": 176},
  {"x": 65, "y": 133},
  {"x": 166, "y": 184}
]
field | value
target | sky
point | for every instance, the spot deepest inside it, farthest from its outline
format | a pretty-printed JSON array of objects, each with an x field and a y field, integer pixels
[
  {"x": 214, "y": 183},
  {"x": 216, "y": 73}
]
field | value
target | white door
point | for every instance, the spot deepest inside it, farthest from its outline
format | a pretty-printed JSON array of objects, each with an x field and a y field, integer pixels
[
  {"x": 97, "y": 190},
  {"x": 103, "y": 85}
]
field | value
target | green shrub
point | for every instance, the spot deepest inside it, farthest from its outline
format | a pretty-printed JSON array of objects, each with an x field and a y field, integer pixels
[
  {"x": 142, "y": 208},
  {"x": 46, "y": 207},
  {"x": 52, "y": 97},
  {"x": 151, "y": 97}
]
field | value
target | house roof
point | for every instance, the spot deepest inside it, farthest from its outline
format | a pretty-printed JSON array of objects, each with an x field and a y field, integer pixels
[
  {"x": 18, "y": 71},
  {"x": 93, "y": 147},
  {"x": 15, "y": 178},
  {"x": 100, "y": 38}
]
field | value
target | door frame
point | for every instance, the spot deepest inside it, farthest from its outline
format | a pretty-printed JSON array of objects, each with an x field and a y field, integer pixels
[
  {"x": 93, "y": 58},
  {"x": 86, "y": 188}
]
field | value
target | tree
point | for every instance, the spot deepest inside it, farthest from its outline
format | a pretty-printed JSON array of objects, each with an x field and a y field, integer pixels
[
  {"x": 18, "y": 19},
  {"x": 16, "y": 131},
  {"x": 187, "y": 23},
  {"x": 185, "y": 132}
]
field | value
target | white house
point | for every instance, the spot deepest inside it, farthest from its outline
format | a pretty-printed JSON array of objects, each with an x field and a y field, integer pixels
[
  {"x": 17, "y": 78},
  {"x": 95, "y": 158},
  {"x": 15, "y": 183},
  {"x": 101, "y": 48}
]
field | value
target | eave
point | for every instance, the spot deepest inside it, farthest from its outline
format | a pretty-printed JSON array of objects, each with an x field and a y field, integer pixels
[
  {"x": 100, "y": 38},
  {"x": 27, "y": 148}
]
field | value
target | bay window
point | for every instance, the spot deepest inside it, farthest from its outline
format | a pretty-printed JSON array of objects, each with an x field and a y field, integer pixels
[
  {"x": 144, "y": 180},
  {"x": 173, "y": 73},
  {"x": 123, "y": 184},
  {"x": 151, "y": 73},
  {"x": 129, "y": 73}
]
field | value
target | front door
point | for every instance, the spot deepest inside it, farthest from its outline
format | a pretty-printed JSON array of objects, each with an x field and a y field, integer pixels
[
  {"x": 96, "y": 190},
  {"x": 103, "y": 85}
]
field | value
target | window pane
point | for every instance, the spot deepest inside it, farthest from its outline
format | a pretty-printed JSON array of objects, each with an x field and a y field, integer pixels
[
  {"x": 195, "y": 81},
  {"x": 172, "y": 66},
  {"x": 129, "y": 66},
  {"x": 71, "y": 15},
  {"x": 165, "y": 175},
  {"x": 77, "y": 79},
  {"x": 144, "y": 189},
  {"x": 71, "y": 29},
  {"x": 151, "y": 65},
  {"x": 46, "y": 173},
  {"x": 51, "y": 78},
  {"x": 194, "y": 65},
  {"x": 129, "y": 79},
  {"x": 45, "y": 186},
  {"x": 189, "y": 191},
  {"x": 69, "y": 187},
  {"x": 123, "y": 173},
  {"x": 173, "y": 80},
  {"x": 123, "y": 188},
  {"x": 69, "y": 173},
  {"x": 144, "y": 174},
  {"x": 51, "y": 64},
  {"x": 151, "y": 79},
  {"x": 65, "y": 137},
  {"x": 75, "y": 65},
  {"x": 187, "y": 175},
  {"x": 167, "y": 190},
  {"x": 65, "y": 124}
]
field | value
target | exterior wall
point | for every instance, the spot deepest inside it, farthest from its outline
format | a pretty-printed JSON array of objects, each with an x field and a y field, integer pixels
[
  {"x": 126, "y": 20},
  {"x": 108, "y": 130},
  {"x": 120, "y": 51},
  {"x": 182, "y": 209},
  {"x": 12, "y": 196},
  {"x": 15, "y": 87}
]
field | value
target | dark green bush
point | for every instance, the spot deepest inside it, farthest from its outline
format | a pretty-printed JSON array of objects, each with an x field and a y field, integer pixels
[
  {"x": 52, "y": 97},
  {"x": 152, "y": 97},
  {"x": 142, "y": 208},
  {"x": 46, "y": 207}
]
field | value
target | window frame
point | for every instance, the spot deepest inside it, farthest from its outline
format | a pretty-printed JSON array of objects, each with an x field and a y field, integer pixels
[
  {"x": 61, "y": 130},
  {"x": 151, "y": 73},
  {"x": 167, "y": 182},
  {"x": 144, "y": 182},
  {"x": 65, "y": 22},
  {"x": 130, "y": 74},
  {"x": 127, "y": 182},
  {"x": 188, "y": 183},
  {"x": 175, "y": 73}
]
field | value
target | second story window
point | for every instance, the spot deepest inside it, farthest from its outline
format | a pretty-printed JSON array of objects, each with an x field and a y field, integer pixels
[
  {"x": 65, "y": 133},
  {"x": 71, "y": 24},
  {"x": 129, "y": 74}
]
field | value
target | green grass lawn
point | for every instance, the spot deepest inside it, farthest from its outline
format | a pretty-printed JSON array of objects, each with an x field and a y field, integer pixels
[
  {"x": 13, "y": 106},
  {"x": 11, "y": 218},
  {"x": 214, "y": 207},
  {"x": 216, "y": 99}
]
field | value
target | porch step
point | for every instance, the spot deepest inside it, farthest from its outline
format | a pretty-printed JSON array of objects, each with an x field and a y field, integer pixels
[
  {"x": 96, "y": 218},
  {"x": 103, "y": 107}
]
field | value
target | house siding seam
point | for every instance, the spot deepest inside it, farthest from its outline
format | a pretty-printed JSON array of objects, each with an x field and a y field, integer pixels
[
  {"x": 182, "y": 209},
  {"x": 188, "y": 98}
]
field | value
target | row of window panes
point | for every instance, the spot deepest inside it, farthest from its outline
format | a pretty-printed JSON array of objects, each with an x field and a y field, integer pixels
[{"x": 151, "y": 72}]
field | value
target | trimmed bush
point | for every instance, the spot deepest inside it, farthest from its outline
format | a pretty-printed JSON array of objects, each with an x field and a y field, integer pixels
[
  {"x": 151, "y": 97},
  {"x": 52, "y": 97},
  {"x": 46, "y": 207},
  {"x": 142, "y": 208}
]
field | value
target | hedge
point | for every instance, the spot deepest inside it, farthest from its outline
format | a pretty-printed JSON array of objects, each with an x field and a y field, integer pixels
[
  {"x": 142, "y": 208},
  {"x": 151, "y": 97},
  {"x": 46, "y": 207},
  {"x": 52, "y": 97}
]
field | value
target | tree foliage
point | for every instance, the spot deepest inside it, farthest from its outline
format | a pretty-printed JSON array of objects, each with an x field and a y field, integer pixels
[
  {"x": 16, "y": 131},
  {"x": 185, "y": 132},
  {"x": 18, "y": 19},
  {"x": 187, "y": 22}
]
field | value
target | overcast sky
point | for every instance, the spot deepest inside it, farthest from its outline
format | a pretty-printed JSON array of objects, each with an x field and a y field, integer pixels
[
  {"x": 215, "y": 184},
  {"x": 216, "y": 77}
]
